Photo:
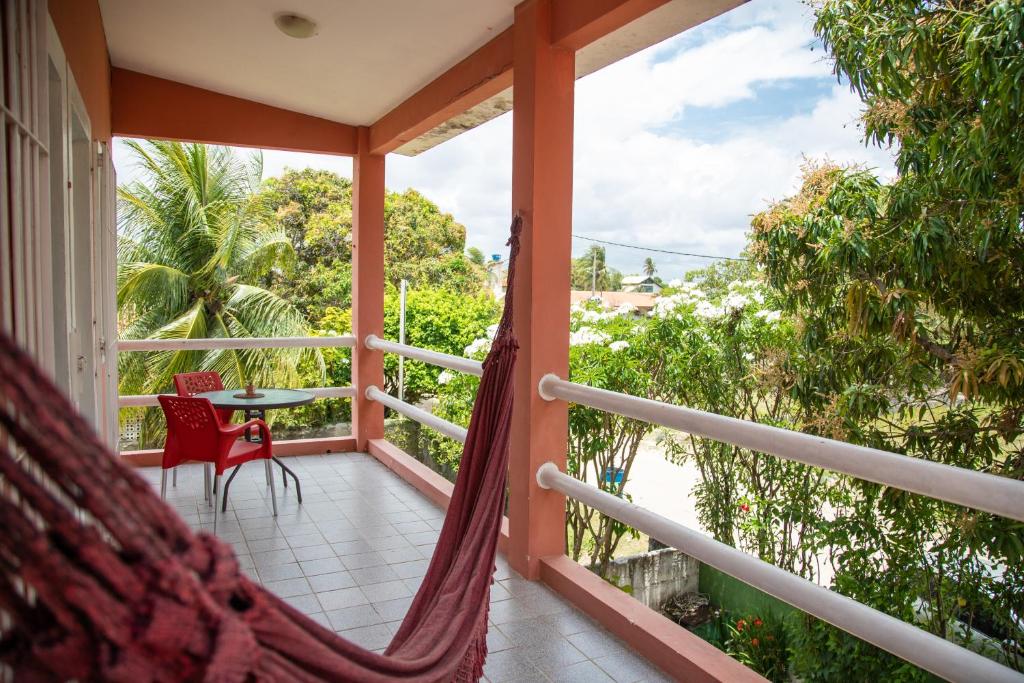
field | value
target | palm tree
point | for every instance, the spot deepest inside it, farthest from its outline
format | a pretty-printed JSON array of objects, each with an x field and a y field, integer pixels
[
  {"x": 193, "y": 248},
  {"x": 649, "y": 267}
]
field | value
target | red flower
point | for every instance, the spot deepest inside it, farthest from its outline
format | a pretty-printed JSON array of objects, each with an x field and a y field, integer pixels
[
  {"x": 740, "y": 625},
  {"x": 744, "y": 507},
  {"x": 757, "y": 622},
  {"x": 755, "y": 642}
]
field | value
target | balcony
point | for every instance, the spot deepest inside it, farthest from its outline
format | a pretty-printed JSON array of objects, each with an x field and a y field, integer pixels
[
  {"x": 78, "y": 72},
  {"x": 354, "y": 492},
  {"x": 352, "y": 555}
]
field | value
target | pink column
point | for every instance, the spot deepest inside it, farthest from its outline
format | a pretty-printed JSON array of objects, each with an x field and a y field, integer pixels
[
  {"x": 543, "y": 81},
  {"x": 367, "y": 288}
]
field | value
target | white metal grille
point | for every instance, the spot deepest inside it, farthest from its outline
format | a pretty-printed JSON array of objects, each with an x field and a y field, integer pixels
[{"x": 23, "y": 164}]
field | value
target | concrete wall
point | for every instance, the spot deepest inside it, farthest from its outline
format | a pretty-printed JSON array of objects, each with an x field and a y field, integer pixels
[{"x": 656, "y": 576}]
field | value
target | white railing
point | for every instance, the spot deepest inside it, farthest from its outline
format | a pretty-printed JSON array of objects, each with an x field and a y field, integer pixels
[
  {"x": 232, "y": 344},
  {"x": 444, "y": 360},
  {"x": 999, "y": 495},
  {"x": 425, "y": 418},
  {"x": 904, "y": 640}
]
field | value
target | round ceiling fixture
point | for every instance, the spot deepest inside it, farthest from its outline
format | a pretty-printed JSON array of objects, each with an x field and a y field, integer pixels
[{"x": 295, "y": 25}]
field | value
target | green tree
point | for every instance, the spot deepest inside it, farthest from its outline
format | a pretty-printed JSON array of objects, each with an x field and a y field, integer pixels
[
  {"x": 649, "y": 268},
  {"x": 476, "y": 256},
  {"x": 193, "y": 247},
  {"x": 585, "y": 267},
  {"x": 714, "y": 279},
  {"x": 910, "y": 309},
  {"x": 314, "y": 207},
  {"x": 436, "y": 319}
]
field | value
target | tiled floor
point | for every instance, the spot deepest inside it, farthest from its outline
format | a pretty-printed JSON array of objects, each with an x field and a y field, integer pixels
[{"x": 352, "y": 555}]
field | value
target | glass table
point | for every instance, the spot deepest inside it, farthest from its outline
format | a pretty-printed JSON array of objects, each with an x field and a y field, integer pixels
[{"x": 257, "y": 407}]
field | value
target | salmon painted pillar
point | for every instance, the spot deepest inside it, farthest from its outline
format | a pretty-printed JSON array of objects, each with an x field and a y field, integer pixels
[
  {"x": 367, "y": 288},
  {"x": 542, "y": 129}
]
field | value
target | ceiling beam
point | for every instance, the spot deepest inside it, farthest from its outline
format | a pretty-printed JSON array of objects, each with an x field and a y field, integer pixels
[
  {"x": 578, "y": 23},
  {"x": 481, "y": 75},
  {"x": 488, "y": 71},
  {"x": 145, "y": 106}
]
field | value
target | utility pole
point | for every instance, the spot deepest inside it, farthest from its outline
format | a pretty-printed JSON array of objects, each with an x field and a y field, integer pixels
[{"x": 401, "y": 340}]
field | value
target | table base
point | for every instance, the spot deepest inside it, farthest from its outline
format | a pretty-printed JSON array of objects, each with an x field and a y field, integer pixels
[{"x": 285, "y": 470}]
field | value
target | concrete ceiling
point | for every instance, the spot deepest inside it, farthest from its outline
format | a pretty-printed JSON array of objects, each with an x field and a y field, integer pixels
[{"x": 368, "y": 57}]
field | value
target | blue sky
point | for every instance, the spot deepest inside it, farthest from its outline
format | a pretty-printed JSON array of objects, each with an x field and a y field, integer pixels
[{"x": 676, "y": 146}]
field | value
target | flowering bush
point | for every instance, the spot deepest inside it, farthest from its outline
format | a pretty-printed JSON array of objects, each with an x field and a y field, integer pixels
[
  {"x": 716, "y": 351},
  {"x": 761, "y": 644}
]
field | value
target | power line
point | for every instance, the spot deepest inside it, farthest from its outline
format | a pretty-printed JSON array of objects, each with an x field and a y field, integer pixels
[{"x": 660, "y": 251}]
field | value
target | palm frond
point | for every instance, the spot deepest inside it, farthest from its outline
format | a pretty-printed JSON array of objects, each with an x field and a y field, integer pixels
[{"x": 151, "y": 285}]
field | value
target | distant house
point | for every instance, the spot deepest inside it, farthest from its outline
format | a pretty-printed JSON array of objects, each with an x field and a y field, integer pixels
[
  {"x": 497, "y": 276},
  {"x": 640, "y": 283},
  {"x": 643, "y": 301}
]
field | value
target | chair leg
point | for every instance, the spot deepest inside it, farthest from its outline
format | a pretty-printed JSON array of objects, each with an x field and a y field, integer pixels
[
  {"x": 174, "y": 478},
  {"x": 216, "y": 508},
  {"x": 273, "y": 490},
  {"x": 206, "y": 481},
  {"x": 163, "y": 485}
]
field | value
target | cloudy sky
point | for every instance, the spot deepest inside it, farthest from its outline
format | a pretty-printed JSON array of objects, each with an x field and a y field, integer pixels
[{"x": 676, "y": 146}]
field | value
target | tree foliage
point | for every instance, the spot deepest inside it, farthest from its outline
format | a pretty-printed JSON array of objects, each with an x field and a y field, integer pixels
[
  {"x": 649, "y": 268},
  {"x": 314, "y": 207},
  {"x": 593, "y": 261},
  {"x": 907, "y": 298},
  {"x": 192, "y": 250}
]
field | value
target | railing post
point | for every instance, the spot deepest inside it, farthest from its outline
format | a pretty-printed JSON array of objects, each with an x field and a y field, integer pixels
[
  {"x": 544, "y": 79},
  {"x": 367, "y": 288}
]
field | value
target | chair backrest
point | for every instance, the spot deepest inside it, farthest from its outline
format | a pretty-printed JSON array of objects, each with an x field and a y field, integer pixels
[
  {"x": 193, "y": 429},
  {"x": 192, "y": 383}
]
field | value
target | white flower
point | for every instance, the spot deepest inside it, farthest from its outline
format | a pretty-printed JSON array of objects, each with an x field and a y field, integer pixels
[
  {"x": 707, "y": 311},
  {"x": 769, "y": 316},
  {"x": 749, "y": 357},
  {"x": 587, "y": 335},
  {"x": 477, "y": 346},
  {"x": 735, "y": 301},
  {"x": 675, "y": 283},
  {"x": 445, "y": 377},
  {"x": 492, "y": 330},
  {"x": 618, "y": 345},
  {"x": 625, "y": 309}
]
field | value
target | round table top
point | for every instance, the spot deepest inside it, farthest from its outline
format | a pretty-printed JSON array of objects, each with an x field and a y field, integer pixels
[{"x": 272, "y": 398}]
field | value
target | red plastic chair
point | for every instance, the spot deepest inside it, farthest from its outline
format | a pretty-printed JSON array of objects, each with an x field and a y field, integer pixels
[
  {"x": 194, "y": 432},
  {"x": 192, "y": 383}
]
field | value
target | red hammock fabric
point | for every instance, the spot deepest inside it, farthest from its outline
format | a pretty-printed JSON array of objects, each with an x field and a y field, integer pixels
[{"x": 100, "y": 580}]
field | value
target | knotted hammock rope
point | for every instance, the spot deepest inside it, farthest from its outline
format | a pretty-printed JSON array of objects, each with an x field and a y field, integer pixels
[{"x": 100, "y": 580}]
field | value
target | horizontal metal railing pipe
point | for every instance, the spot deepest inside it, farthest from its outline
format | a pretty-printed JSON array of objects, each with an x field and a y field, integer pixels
[
  {"x": 988, "y": 492},
  {"x": 233, "y": 343},
  {"x": 444, "y": 360},
  {"x": 436, "y": 423},
  {"x": 146, "y": 400},
  {"x": 904, "y": 640}
]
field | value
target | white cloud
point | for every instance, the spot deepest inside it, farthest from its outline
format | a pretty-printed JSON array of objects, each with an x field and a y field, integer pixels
[
  {"x": 646, "y": 172},
  {"x": 642, "y": 175}
]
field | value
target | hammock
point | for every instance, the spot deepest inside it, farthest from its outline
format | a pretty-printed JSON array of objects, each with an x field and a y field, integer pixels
[{"x": 100, "y": 580}]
